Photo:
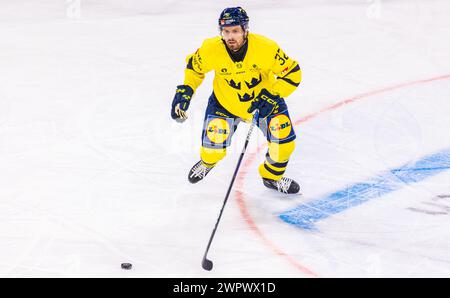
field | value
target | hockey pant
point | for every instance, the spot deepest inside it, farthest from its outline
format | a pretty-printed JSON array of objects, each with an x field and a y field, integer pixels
[{"x": 220, "y": 125}]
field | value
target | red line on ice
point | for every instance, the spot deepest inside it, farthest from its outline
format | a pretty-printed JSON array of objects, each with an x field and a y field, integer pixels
[{"x": 240, "y": 196}]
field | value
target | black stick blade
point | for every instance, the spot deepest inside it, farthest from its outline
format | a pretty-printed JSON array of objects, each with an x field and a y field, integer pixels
[{"x": 207, "y": 264}]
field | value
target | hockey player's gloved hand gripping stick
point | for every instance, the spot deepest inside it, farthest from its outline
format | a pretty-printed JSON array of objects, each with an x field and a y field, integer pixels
[
  {"x": 208, "y": 264},
  {"x": 265, "y": 103}
]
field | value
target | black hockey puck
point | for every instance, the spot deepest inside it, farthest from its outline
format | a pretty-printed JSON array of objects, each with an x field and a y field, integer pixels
[{"x": 126, "y": 266}]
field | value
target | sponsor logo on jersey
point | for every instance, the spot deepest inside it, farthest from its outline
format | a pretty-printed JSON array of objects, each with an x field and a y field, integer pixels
[
  {"x": 280, "y": 126},
  {"x": 218, "y": 130},
  {"x": 197, "y": 61},
  {"x": 255, "y": 68},
  {"x": 221, "y": 114},
  {"x": 224, "y": 71}
]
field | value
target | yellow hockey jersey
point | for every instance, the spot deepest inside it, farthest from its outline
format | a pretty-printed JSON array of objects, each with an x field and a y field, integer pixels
[{"x": 236, "y": 84}]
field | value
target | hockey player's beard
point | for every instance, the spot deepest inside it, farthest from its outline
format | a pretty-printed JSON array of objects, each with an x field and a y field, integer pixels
[{"x": 234, "y": 45}]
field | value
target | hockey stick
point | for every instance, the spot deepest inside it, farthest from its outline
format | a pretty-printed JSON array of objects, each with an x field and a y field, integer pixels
[{"x": 208, "y": 264}]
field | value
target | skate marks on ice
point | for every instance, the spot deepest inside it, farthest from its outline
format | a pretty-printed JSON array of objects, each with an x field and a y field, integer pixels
[{"x": 439, "y": 205}]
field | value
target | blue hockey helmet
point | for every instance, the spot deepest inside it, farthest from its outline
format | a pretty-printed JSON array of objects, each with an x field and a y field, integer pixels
[{"x": 233, "y": 16}]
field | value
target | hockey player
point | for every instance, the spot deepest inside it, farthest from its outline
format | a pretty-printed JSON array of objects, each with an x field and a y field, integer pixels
[{"x": 251, "y": 72}]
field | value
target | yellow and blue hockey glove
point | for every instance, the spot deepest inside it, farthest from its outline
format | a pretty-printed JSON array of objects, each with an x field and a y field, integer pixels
[{"x": 181, "y": 102}]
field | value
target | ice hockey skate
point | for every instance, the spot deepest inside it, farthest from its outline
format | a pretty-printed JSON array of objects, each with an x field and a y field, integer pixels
[
  {"x": 284, "y": 185},
  {"x": 199, "y": 171}
]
